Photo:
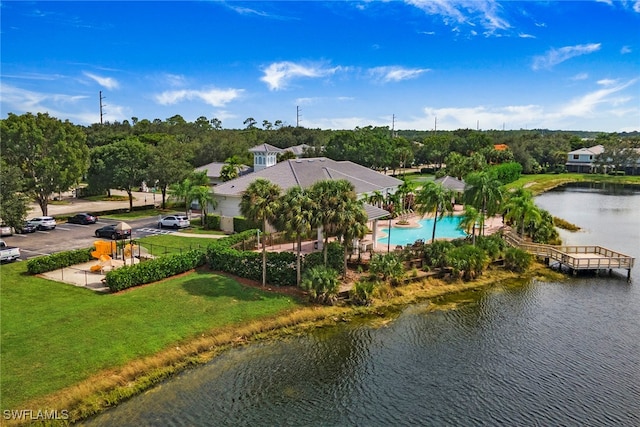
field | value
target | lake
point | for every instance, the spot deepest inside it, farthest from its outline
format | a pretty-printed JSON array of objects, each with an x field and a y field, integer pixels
[{"x": 518, "y": 354}]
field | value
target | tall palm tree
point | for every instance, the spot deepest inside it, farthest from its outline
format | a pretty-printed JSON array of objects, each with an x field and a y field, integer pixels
[
  {"x": 351, "y": 224},
  {"x": 376, "y": 198},
  {"x": 406, "y": 188},
  {"x": 202, "y": 193},
  {"x": 483, "y": 191},
  {"x": 296, "y": 213},
  {"x": 331, "y": 196},
  {"x": 260, "y": 203},
  {"x": 521, "y": 209},
  {"x": 434, "y": 198},
  {"x": 231, "y": 169},
  {"x": 469, "y": 218}
]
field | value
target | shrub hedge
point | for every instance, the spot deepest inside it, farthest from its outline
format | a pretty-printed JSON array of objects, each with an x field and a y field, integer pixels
[
  {"x": 154, "y": 270},
  {"x": 58, "y": 260},
  {"x": 221, "y": 256}
]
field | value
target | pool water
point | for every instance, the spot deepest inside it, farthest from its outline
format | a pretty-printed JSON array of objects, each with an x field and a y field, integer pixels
[{"x": 447, "y": 227}]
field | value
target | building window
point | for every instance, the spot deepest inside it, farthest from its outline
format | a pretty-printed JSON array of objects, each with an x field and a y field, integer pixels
[{"x": 576, "y": 156}]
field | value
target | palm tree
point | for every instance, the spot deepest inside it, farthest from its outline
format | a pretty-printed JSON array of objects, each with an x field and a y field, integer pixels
[
  {"x": 184, "y": 190},
  {"x": 434, "y": 198},
  {"x": 231, "y": 169},
  {"x": 260, "y": 203},
  {"x": 521, "y": 209},
  {"x": 296, "y": 212},
  {"x": 351, "y": 224},
  {"x": 203, "y": 195},
  {"x": 483, "y": 191},
  {"x": 376, "y": 198},
  {"x": 332, "y": 196},
  {"x": 469, "y": 218},
  {"x": 406, "y": 188}
]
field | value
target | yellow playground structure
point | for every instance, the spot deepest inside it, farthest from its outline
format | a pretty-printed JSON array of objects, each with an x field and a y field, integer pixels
[{"x": 103, "y": 254}]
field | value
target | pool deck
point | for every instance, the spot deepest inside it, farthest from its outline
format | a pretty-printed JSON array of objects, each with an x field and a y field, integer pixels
[{"x": 491, "y": 226}]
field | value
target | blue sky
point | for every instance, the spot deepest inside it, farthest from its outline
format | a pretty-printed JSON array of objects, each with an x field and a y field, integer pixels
[{"x": 412, "y": 64}]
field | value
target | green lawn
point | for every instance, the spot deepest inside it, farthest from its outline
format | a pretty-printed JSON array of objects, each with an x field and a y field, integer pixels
[
  {"x": 163, "y": 244},
  {"x": 54, "y": 335},
  {"x": 540, "y": 183}
]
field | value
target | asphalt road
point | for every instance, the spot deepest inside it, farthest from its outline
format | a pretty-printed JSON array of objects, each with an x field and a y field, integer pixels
[{"x": 74, "y": 236}]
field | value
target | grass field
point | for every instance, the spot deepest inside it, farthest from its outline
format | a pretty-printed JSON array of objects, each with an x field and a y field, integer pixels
[{"x": 55, "y": 335}]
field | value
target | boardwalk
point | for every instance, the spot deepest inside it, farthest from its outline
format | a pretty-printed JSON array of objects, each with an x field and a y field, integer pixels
[{"x": 576, "y": 258}]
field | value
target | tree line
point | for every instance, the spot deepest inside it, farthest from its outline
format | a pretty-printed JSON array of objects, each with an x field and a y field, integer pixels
[{"x": 41, "y": 155}]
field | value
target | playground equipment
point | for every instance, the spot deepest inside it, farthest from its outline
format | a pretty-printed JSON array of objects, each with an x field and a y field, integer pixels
[
  {"x": 128, "y": 251},
  {"x": 103, "y": 248},
  {"x": 103, "y": 254},
  {"x": 104, "y": 261}
]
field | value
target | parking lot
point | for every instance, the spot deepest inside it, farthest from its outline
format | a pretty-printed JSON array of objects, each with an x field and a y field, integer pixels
[{"x": 68, "y": 236}]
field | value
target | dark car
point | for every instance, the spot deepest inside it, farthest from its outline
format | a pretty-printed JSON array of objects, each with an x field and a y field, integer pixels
[
  {"x": 83, "y": 218},
  {"x": 27, "y": 228},
  {"x": 111, "y": 232}
]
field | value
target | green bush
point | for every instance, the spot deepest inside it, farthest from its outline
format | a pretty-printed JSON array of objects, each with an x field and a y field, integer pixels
[
  {"x": 494, "y": 246},
  {"x": 435, "y": 254},
  {"x": 222, "y": 256},
  {"x": 507, "y": 172},
  {"x": 322, "y": 283},
  {"x": 241, "y": 224},
  {"x": 335, "y": 260},
  {"x": 517, "y": 260},
  {"x": 467, "y": 261},
  {"x": 387, "y": 267},
  {"x": 211, "y": 222},
  {"x": 362, "y": 292},
  {"x": 154, "y": 270},
  {"x": 58, "y": 260}
]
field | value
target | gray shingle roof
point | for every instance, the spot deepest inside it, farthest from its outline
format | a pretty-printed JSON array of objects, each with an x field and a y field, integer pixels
[
  {"x": 305, "y": 172},
  {"x": 265, "y": 148},
  {"x": 451, "y": 183}
]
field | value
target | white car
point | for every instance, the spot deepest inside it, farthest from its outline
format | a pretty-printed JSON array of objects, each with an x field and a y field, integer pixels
[
  {"x": 43, "y": 222},
  {"x": 174, "y": 221}
]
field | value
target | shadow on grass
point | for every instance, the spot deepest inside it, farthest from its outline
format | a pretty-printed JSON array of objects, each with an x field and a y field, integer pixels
[{"x": 216, "y": 286}]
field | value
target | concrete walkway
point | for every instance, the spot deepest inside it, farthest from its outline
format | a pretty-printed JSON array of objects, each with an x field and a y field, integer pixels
[{"x": 69, "y": 205}]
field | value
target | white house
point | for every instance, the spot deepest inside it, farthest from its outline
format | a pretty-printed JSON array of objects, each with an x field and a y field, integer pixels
[
  {"x": 583, "y": 159},
  {"x": 304, "y": 173}
]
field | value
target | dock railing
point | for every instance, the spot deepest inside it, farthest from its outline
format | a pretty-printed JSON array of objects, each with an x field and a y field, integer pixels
[{"x": 587, "y": 257}]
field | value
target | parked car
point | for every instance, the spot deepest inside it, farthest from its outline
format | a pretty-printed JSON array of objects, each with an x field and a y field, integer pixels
[
  {"x": 27, "y": 228},
  {"x": 6, "y": 230},
  {"x": 174, "y": 221},
  {"x": 112, "y": 232},
  {"x": 8, "y": 253},
  {"x": 43, "y": 222},
  {"x": 83, "y": 218}
]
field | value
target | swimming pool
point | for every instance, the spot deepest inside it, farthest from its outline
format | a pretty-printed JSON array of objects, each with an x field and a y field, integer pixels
[{"x": 447, "y": 227}]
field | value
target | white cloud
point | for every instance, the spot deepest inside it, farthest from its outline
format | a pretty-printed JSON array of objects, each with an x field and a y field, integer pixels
[
  {"x": 625, "y": 50},
  {"x": 557, "y": 56},
  {"x": 106, "y": 82},
  {"x": 278, "y": 75},
  {"x": 482, "y": 13},
  {"x": 174, "y": 80},
  {"x": 526, "y": 36},
  {"x": 214, "y": 97},
  {"x": 58, "y": 105},
  {"x": 586, "y": 105},
  {"x": 25, "y": 100},
  {"x": 395, "y": 73},
  {"x": 580, "y": 76}
]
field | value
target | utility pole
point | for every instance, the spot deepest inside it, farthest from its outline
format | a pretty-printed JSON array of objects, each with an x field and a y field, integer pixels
[
  {"x": 297, "y": 116},
  {"x": 393, "y": 125},
  {"x": 101, "y": 114}
]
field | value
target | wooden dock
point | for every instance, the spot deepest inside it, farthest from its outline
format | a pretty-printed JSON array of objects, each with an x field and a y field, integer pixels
[{"x": 575, "y": 258}]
